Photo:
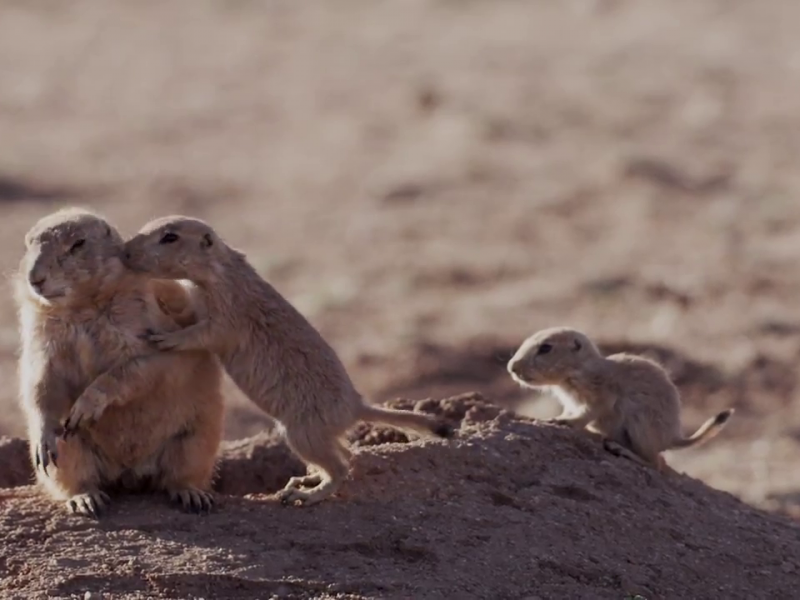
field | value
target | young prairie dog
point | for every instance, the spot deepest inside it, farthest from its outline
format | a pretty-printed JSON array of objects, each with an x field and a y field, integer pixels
[
  {"x": 629, "y": 400},
  {"x": 81, "y": 312},
  {"x": 275, "y": 356}
]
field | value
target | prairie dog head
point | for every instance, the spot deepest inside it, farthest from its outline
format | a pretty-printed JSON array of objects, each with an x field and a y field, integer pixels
[
  {"x": 551, "y": 356},
  {"x": 69, "y": 254},
  {"x": 174, "y": 247}
]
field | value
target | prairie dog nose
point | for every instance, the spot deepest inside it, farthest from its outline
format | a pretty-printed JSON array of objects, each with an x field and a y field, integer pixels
[{"x": 513, "y": 366}]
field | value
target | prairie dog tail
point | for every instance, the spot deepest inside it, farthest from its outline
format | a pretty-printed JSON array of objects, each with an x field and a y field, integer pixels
[
  {"x": 404, "y": 419},
  {"x": 706, "y": 431}
]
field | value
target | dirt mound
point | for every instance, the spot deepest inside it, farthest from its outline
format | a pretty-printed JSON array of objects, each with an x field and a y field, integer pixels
[
  {"x": 471, "y": 406},
  {"x": 508, "y": 509},
  {"x": 259, "y": 464}
]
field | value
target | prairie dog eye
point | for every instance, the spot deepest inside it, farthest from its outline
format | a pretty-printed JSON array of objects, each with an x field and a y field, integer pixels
[
  {"x": 76, "y": 246},
  {"x": 168, "y": 238},
  {"x": 544, "y": 349}
]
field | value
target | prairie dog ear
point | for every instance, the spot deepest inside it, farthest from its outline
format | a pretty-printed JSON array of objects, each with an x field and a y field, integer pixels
[
  {"x": 576, "y": 346},
  {"x": 207, "y": 241}
]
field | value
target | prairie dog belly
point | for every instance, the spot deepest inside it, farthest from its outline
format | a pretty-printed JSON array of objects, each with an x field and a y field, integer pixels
[{"x": 138, "y": 430}]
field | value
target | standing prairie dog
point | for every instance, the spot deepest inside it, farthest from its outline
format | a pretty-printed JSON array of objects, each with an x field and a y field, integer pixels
[
  {"x": 275, "y": 356},
  {"x": 629, "y": 400},
  {"x": 81, "y": 312}
]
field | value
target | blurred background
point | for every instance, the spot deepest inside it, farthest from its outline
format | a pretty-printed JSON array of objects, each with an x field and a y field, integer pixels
[{"x": 430, "y": 181}]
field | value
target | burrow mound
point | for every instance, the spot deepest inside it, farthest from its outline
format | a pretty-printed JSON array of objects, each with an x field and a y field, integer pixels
[
  {"x": 262, "y": 464},
  {"x": 509, "y": 508}
]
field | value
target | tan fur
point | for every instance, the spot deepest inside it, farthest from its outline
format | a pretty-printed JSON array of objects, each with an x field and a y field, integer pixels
[
  {"x": 269, "y": 349},
  {"x": 629, "y": 400},
  {"x": 162, "y": 418}
]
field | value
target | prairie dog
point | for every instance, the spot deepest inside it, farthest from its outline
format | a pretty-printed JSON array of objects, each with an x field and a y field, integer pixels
[
  {"x": 275, "y": 356},
  {"x": 81, "y": 312},
  {"x": 628, "y": 399}
]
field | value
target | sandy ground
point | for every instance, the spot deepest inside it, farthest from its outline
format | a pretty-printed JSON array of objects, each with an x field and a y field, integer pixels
[
  {"x": 509, "y": 509},
  {"x": 429, "y": 182}
]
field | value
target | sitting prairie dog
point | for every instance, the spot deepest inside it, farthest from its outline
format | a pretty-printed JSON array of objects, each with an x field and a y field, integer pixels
[
  {"x": 275, "y": 356},
  {"x": 81, "y": 312},
  {"x": 629, "y": 400}
]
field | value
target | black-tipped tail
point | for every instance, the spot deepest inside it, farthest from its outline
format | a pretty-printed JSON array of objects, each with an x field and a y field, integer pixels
[
  {"x": 706, "y": 431},
  {"x": 723, "y": 417}
]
